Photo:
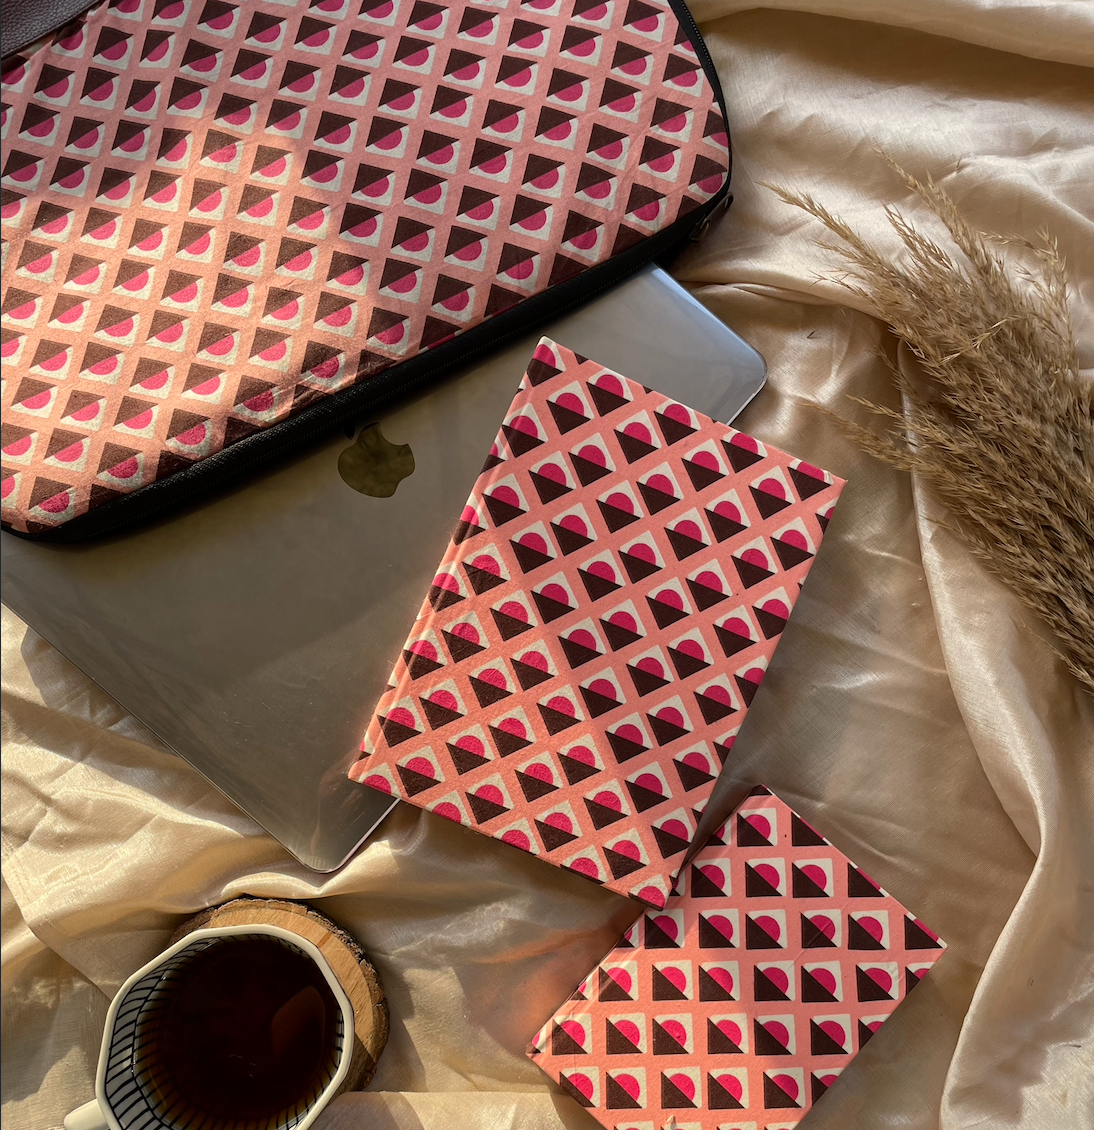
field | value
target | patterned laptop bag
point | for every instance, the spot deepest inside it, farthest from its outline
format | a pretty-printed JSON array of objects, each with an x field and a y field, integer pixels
[{"x": 231, "y": 228}]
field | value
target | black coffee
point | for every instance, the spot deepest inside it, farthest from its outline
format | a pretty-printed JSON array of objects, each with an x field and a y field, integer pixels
[{"x": 246, "y": 1031}]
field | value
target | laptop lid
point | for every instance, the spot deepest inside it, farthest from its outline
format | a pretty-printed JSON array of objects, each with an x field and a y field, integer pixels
[{"x": 253, "y": 632}]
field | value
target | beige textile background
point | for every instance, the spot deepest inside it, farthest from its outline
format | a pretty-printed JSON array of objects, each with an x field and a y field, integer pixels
[{"x": 913, "y": 713}]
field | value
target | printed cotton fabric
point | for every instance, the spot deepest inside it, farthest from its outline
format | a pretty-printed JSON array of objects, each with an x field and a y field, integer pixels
[
  {"x": 216, "y": 215},
  {"x": 913, "y": 712},
  {"x": 605, "y": 613},
  {"x": 774, "y": 962}
]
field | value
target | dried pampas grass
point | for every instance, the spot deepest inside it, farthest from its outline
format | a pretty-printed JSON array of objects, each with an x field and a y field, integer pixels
[{"x": 1000, "y": 423}]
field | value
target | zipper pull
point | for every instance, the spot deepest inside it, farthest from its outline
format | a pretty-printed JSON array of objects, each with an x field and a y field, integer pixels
[{"x": 700, "y": 230}]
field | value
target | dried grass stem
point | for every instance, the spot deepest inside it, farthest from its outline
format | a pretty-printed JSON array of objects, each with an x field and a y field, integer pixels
[{"x": 999, "y": 421}]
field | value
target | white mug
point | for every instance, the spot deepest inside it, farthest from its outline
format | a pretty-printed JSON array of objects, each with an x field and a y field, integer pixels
[{"x": 124, "y": 1098}]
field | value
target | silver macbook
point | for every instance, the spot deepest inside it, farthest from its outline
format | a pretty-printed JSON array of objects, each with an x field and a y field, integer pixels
[{"x": 254, "y": 631}]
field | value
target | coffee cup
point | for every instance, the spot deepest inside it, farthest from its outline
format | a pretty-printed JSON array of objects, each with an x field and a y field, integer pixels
[{"x": 231, "y": 1028}]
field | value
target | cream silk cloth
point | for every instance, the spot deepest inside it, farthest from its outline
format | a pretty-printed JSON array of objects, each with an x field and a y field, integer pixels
[{"x": 914, "y": 713}]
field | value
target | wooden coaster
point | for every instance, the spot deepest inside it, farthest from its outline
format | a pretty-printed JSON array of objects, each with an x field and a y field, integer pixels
[{"x": 343, "y": 954}]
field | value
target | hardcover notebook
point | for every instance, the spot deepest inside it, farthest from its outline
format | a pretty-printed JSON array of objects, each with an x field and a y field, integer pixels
[
  {"x": 608, "y": 605},
  {"x": 739, "y": 1003}
]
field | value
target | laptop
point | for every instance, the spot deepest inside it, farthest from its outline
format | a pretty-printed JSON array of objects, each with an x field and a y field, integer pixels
[{"x": 254, "y": 631}]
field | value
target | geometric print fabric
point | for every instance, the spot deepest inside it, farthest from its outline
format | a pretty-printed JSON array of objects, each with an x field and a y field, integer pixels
[
  {"x": 603, "y": 616},
  {"x": 215, "y": 215},
  {"x": 738, "y": 1005}
]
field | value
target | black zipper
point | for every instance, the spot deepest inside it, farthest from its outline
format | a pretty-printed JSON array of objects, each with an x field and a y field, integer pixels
[
  {"x": 323, "y": 418},
  {"x": 687, "y": 22}
]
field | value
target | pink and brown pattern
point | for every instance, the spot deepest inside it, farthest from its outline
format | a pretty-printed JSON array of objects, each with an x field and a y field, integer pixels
[
  {"x": 608, "y": 605},
  {"x": 738, "y": 1005},
  {"x": 216, "y": 214}
]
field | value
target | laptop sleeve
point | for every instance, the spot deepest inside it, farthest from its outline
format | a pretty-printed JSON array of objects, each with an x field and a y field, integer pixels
[{"x": 229, "y": 228}]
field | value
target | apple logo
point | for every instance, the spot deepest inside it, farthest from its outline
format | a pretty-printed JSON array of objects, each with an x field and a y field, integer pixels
[{"x": 374, "y": 465}]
